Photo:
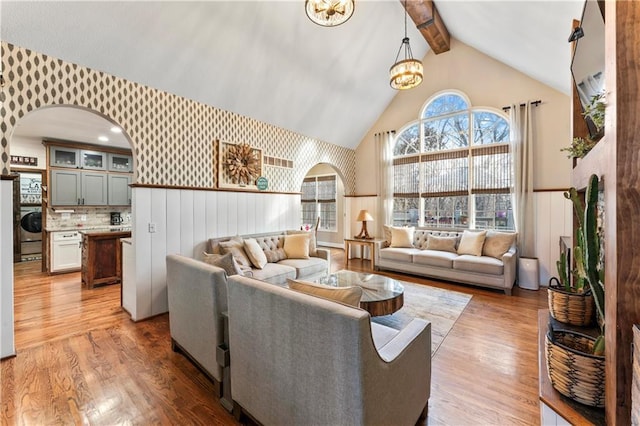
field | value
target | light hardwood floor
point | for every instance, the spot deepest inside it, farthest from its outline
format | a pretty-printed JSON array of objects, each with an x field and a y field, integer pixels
[{"x": 81, "y": 360}]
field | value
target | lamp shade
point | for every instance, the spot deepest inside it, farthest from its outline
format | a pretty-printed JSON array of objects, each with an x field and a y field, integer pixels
[{"x": 364, "y": 216}]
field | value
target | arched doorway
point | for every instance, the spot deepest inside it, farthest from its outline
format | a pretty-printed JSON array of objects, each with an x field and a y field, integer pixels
[
  {"x": 323, "y": 198},
  {"x": 88, "y": 133}
]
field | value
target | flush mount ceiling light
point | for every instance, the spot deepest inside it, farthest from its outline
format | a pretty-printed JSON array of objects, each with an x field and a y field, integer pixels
[
  {"x": 405, "y": 73},
  {"x": 329, "y": 13}
]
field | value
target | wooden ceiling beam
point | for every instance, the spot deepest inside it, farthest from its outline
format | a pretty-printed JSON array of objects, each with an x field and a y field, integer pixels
[{"x": 428, "y": 21}]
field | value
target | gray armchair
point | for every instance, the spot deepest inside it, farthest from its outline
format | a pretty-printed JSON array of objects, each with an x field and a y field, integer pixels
[
  {"x": 197, "y": 295},
  {"x": 301, "y": 359}
]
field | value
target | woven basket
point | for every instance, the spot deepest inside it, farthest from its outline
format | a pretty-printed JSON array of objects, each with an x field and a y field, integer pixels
[
  {"x": 573, "y": 370},
  {"x": 571, "y": 308}
]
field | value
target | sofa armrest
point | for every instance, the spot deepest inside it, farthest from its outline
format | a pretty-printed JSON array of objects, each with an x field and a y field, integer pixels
[
  {"x": 326, "y": 255},
  {"x": 509, "y": 260},
  {"x": 404, "y": 339}
]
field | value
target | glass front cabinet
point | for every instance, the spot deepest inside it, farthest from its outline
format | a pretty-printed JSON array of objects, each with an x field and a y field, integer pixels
[
  {"x": 120, "y": 163},
  {"x": 64, "y": 157},
  {"x": 93, "y": 160}
]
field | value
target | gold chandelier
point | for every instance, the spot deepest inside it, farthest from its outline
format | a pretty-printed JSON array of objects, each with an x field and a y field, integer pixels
[
  {"x": 406, "y": 73},
  {"x": 329, "y": 13}
]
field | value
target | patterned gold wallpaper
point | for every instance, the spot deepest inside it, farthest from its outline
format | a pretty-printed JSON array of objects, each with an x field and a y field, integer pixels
[{"x": 173, "y": 137}]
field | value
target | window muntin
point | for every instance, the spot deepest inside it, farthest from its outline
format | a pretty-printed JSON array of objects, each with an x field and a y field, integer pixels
[
  {"x": 445, "y": 104},
  {"x": 461, "y": 176}
]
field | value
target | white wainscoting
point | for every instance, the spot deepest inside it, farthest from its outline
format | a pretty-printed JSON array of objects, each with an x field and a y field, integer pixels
[
  {"x": 184, "y": 220},
  {"x": 7, "y": 343},
  {"x": 554, "y": 218}
]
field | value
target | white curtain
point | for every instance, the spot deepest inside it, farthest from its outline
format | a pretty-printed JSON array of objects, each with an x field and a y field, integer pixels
[
  {"x": 384, "y": 145},
  {"x": 522, "y": 156}
]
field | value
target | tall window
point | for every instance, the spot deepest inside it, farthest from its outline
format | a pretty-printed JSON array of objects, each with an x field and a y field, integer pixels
[
  {"x": 319, "y": 200},
  {"x": 452, "y": 168}
]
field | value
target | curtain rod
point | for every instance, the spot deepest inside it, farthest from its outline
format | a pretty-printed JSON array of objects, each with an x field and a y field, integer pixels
[{"x": 534, "y": 103}]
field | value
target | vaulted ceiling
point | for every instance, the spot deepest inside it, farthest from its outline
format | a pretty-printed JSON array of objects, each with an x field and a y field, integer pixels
[{"x": 266, "y": 60}]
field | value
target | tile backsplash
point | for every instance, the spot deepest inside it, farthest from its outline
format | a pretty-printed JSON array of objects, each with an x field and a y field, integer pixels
[{"x": 94, "y": 216}]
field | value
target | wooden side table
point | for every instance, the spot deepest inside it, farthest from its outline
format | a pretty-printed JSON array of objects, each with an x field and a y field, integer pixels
[{"x": 348, "y": 242}]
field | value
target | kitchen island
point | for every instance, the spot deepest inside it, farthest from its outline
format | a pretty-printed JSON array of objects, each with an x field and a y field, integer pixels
[{"x": 102, "y": 256}]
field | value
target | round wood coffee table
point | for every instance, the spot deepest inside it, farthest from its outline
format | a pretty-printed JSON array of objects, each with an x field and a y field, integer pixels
[{"x": 380, "y": 295}]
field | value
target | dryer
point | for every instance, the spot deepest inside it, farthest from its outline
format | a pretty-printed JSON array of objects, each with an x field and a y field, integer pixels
[{"x": 30, "y": 230}]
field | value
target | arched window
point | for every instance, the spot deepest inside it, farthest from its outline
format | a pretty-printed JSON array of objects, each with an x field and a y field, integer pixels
[{"x": 452, "y": 168}]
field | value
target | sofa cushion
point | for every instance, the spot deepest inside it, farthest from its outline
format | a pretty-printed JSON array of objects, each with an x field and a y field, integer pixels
[
  {"x": 255, "y": 253},
  {"x": 224, "y": 261},
  {"x": 401, "y": 236},
  {"x": 442, "y": 243},
  {"x": 347, "y": 295},
  {"x": 480, "y": 264},
  {"x": 313, "y": 248},
  {"x": 296, "y": 246},
  {"x": 386, "y": 229},
  {"x": 275, "y": 273},
  {"x": 235, "y": 246},
  {"x": 443, "y": 259},
  {"x": 398, "y": 254},
  {"x": 306, "y": 267},
  {"x": 471, "y": 242},
  {"x": 497, "y": 243}
]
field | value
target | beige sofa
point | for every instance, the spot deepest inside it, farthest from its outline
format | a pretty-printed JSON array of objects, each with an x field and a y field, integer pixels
[
  {"x": 277, "y": 272},
  {"x": 484, "y": 271},
  {"x": 197, "y": 294},
  {"x": 300, "y": 359}
]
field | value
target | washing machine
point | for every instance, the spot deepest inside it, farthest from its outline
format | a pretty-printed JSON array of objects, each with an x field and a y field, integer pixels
[{"x": 31, "y": 231}]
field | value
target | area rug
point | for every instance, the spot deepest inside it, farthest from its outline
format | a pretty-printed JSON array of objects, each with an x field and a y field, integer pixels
[{"x": 441, "y": 307}]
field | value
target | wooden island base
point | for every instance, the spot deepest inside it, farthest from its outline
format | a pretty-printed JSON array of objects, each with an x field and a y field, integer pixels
[{"x": 102, "y": 257}]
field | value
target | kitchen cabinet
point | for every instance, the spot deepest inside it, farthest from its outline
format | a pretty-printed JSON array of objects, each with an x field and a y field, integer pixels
[
  {"x": 93, "y": 160},
  {"x": 77, "y": 158},
  {"x": 65, "y": 251},
  {"x": 120, "y": 163},
  {"x": 119, "y": 190},
  {"x": 74, "y": 187},
  {"x": 64, "y": 157},
  {"x": 102, "y": 257}
]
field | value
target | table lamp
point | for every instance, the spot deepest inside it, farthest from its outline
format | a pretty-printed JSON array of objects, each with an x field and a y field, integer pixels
[{"x": 363, "y": 217}]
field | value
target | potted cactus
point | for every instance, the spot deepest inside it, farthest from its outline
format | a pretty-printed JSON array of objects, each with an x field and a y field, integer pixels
[
  {"x": 571, "y": 301},
  {"x": 576, "y": 361}
]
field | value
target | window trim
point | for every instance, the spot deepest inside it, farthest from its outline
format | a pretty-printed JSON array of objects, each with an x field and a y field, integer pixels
[{"x": 318, "y": 202}]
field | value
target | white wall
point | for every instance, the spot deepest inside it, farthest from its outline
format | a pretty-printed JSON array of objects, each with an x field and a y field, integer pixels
[
  {"x": 184, "y": 220},
  {"x": 30, "y": 147},
  {"x": 554, "y": 219},
  {"x": 7, "y": 345}
]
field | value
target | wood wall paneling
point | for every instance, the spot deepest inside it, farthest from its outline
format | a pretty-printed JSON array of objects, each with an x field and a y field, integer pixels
[
  {"x": 7, "y": 346},
  {"x": 142, "y": 247},
  {"x": 174, "y": 245},
  {"x": 186, "y": 223},
  {"x": 158, "y": 213}
]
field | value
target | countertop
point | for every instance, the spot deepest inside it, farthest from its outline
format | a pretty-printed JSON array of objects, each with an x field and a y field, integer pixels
[
  {"x": 103, "y": 228},
  {"x": 124, "y": 232}
]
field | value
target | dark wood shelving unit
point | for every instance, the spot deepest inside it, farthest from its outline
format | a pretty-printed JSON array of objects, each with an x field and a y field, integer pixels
[{"x": 570, "y": 410}]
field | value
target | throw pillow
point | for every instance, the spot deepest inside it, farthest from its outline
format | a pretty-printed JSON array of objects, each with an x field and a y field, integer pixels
[
  {"x": 255, "y": 253},
  {"x": 347, "y": 295},
  {"x": 224, "y": 261},
  {"x": 387, "y": 235},
  {"x": 296, "y": 246},
  {"x": 235, "y": 246},
  {"x": 497, "y": 244},
  {"x": 471, "y": 243},
  {"x": 441, "y": 243},
  {"x": 275, "y": 255},
  {"x": 402, "y": 237},
  {"x": 313, "y": 248}
]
